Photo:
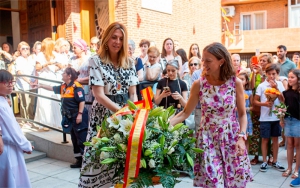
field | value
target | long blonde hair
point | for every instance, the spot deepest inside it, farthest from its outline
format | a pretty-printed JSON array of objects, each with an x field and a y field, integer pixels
[
  {"x": 123, "y": 59},
  {"x": 47, "y": 48}
]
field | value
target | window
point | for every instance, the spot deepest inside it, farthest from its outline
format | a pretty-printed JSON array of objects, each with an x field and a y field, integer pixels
[
  {"x": 294, "y": 13},
  {"x": 254, "y": 20}
]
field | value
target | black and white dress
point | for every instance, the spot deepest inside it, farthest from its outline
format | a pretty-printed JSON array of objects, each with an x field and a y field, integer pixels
[{"x": 114, "y": 81}]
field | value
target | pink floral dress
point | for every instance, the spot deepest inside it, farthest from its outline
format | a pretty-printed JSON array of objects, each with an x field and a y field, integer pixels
[{"x": 219, "y": 166}]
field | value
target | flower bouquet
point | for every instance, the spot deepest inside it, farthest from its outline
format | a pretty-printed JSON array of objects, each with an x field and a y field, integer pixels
[
  {"x": 271, "y": 94},
  {"x": 280, "y": 111},
  {"x": 140, "y": 145}
]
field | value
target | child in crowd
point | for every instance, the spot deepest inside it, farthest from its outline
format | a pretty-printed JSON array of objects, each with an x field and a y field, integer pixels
[
  {"x": 13, "y": 143},
  {"x": 291, "y": 121},
  {"x": 243, "y": 76},
  {"x": 269, "y": 123}
]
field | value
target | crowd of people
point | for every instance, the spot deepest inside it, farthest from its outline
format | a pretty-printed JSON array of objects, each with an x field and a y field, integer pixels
[{"x": 224, "y": 95}]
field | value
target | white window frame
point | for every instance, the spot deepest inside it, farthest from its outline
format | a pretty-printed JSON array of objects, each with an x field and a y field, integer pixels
[
  {"x": 290, "y": 12},
  {"x": 253, "y": 18}
]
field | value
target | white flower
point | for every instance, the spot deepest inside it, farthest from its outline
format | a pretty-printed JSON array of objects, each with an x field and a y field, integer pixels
[
  {"x": 114, "y": 121},
  {"x": 175, "y": 134},
  {"x": 95, "y": 140},
  {"x": 151, "y": 163},
  {"x": 104, "y": 155},
  {"x": 117, "y": 138},
  {"x": 171, "y": 151},
  {"x": 124, "y": 147},
  {"x": 125, "y": 126}
]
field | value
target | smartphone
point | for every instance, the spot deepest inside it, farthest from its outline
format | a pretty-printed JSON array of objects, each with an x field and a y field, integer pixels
[
  {"x": 254, "y": 60},
  {"x": 166, "y": 88}
]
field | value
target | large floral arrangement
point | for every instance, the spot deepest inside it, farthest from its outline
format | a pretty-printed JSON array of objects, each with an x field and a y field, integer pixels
[{"x": 162, "y": 150}]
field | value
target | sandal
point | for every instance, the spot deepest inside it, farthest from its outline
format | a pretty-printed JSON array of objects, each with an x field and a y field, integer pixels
[
  {"x": 287, "y": 173},
  {"x": 295, "y": 175},
  {"x": 281, "y": 144},
  {"x": 254, "y": 161}
]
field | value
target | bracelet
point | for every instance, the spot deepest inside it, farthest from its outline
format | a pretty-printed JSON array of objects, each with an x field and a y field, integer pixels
[{"x": 80, "y": 113}]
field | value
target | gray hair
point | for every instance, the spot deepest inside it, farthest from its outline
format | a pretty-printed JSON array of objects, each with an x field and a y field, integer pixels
[
  {"x": 131, "y": 43},
  {"x": 173, "y": 63}
]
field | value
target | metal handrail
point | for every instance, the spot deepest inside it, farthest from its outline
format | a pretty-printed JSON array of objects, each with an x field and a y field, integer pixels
[
  {"x": 39, "y": 78},
  {"x": 35, "y": 94}
]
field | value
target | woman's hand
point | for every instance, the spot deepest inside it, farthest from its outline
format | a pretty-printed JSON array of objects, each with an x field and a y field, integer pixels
[
  {"x": 257, "y": 69},
  {"x": 176, "y": 96},
  {"x": 79, "y": 118},
  {"x": 165, "y": 93},
  {"x": 29, "y": 152},
  {"x": 240, "y": 146},
  {"x": 282, "y": 123}
]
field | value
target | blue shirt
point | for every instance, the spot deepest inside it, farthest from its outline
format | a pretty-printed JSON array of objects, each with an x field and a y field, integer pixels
[
  {"x": 196, "y": 75},
  {"x": 139, "y": 64},
  {"x": 286, "y": 67}
]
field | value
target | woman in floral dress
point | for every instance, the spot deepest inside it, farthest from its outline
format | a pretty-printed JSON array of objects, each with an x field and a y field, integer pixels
[
  {"x": 113, "y": 79},
  {"x": 224, "y": 162}
]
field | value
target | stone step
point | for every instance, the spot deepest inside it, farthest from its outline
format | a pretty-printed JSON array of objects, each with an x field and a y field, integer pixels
[{"x": 35, "y": 155}]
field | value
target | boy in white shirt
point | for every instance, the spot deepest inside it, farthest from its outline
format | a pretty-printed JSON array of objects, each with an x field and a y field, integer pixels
[{"x": 269, "y": 124}]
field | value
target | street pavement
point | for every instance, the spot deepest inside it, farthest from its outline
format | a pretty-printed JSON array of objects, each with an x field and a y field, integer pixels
[{"x": 50, "y": 173}]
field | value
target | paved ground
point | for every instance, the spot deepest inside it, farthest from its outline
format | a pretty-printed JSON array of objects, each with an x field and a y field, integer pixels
[{"x": 50, "y": 173}]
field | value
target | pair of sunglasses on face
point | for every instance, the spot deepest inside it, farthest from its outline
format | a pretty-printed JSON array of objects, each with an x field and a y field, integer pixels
[{"x": 193, "y": 64}]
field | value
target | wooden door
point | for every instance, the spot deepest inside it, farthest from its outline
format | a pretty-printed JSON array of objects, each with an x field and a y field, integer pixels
[
  {"x": 23, "y": 25},
  {"x": 39, "y": 20}
]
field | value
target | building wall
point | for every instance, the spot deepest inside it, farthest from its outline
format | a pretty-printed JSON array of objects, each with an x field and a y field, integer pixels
[
  {"x": 72, "y": 17},
  {"x": 277, "y": 13},
  {"x": 191, "y": 21}
]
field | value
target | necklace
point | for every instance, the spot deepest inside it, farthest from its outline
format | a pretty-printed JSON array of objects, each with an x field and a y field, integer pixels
[{"x": 117, "y": 78}]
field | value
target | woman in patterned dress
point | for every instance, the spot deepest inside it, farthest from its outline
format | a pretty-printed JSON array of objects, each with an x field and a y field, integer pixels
[
  {"x": 113, "y": 79},
  {"x": 224, "y": 162}
]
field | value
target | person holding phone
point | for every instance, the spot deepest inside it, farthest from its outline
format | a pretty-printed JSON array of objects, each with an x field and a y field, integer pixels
[{"x": 171, "y": 91}]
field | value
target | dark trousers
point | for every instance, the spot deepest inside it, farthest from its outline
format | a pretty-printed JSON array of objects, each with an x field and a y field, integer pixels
[{"x": 79, "y": 133}]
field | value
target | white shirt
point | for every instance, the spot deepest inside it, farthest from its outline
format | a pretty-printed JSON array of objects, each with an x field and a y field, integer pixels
[
  {"x": 264, "y": 110},
  {"x": 27, "y": 67}
]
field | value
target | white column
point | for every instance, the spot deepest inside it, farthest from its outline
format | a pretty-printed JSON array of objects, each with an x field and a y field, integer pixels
[{"x": 15, "y": 23}]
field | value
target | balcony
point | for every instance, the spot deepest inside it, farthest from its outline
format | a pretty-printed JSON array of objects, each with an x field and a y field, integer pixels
[
  {"x": 238, "y": 2},
  {"x": 266, "y": 40}
]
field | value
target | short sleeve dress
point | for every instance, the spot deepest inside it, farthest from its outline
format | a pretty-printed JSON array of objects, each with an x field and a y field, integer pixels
[{"x": 103, "y": 75}]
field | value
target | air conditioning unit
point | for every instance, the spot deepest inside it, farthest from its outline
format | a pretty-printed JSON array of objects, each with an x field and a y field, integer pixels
[{"x": 230, "y": 11}]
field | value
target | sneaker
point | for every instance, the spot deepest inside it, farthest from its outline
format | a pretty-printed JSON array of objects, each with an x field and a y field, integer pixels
[
  {"x": 295, "y": 183},
  {"x": 278, "y": 166},
  {"x": 263, "y": 167}
]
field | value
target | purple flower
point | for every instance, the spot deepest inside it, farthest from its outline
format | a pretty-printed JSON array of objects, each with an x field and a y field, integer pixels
[
  {"x": 221, "y": 110},
  {"x": 209, "y": 169},
  {"x": 211, "y": 146},
  {"x": 207, "y": 119},
  {"x": 240, "y": 171},
  {"x": 216, "y": 98},
  {"x": 220, "y": 130},
  {"x": 200, "y": 93},
  {"x": 216, "y": 161},
  {"x": 215, "y": 180},
  {"x": 228, "y": 100},
  {"x": 206, "y": 85},
  {"x": 197, "y": 167},
  {"x": 229, "y": 169}
]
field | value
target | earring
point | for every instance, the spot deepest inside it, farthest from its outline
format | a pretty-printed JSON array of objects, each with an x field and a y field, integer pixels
[{"x": 106, "y": 47}]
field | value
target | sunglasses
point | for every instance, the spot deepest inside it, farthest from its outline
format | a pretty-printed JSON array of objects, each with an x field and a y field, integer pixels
[
  {"x": 24, "y": 48},
  {"x": 193, "y": 64},
  {"x": 11, "y": 83}
]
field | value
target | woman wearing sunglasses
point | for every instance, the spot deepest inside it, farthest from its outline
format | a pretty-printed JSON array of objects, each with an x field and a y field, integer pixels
[
  {"x": 193, "y": 65},
  {"x": 25, "y": 66}
]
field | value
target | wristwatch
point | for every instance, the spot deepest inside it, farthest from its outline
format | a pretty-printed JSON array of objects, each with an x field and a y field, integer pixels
[
  {"x": 243, "y": 135},
  {"x": 148, "y": 66}
]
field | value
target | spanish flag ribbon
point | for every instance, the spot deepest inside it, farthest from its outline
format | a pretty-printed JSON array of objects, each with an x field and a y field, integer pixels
[{"x": 134, "y": 148}]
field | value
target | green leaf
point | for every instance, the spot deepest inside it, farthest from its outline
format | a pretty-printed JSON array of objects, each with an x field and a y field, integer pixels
[
  {"x": 98, "y": 128},
  {"x": 87, "y": 144},
  {"x": 162, "y": 141},
  {"x": 105, "y": 139},
  {"x": 170, "y": 161},
  {"x": 197, "y": 150},
  {"x": 176, "y": 127},
  {"x": 161, "y": 123},
  {"x": 190, "y": 160},
  {"x": 172, "y": 112},
  {"x": 143, "y": 163},
  {"x": 148, "y": 152},
  {"x": 108, "y": 161},
  {"x": 145, "y": 135},
  {"x": 108, "y": 148},
  {"x": 174, "y": 144},
  {"x": 131, "y": 105}
]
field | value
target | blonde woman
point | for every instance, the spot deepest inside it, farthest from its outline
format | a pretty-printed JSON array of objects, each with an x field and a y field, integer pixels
[
  {"x": 113, "y": 79},
  {"x": 25, "y": 66},
  {"x": 152, "y": 68},
  {"x": 193, "y": 65}
]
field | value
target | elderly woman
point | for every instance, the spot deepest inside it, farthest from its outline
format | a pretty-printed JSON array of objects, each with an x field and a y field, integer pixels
[
  {"x": 137, "y": 61},
  {"x": 80, "y": 61},
  {"x": 113, "y": 80},
  {"x": 153, "y": 69}
]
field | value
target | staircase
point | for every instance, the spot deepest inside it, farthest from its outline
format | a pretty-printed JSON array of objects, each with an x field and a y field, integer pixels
[{"x": 35, "y": 155}]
